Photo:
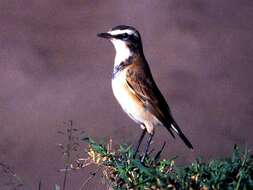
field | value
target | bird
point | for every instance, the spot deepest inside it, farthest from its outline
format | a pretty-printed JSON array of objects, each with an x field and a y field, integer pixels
[{"x": 135, "y": 89}]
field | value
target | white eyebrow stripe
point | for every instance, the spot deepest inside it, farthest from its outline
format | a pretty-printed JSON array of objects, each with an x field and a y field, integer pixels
[{"x": 116, "y": 32}]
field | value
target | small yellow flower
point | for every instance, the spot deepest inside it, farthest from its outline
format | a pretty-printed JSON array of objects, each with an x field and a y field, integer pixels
[{"x": 195, "y": 178}]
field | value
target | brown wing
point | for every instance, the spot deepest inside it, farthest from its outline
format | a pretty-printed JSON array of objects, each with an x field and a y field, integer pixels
[{"x": 141, "y": 82}]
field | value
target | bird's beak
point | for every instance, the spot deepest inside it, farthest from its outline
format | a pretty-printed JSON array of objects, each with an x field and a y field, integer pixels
[{"x": 105, "y": 35}]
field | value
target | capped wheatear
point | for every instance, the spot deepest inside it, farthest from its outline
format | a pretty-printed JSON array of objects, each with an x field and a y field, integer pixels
[{"x": 134, "y": 87}]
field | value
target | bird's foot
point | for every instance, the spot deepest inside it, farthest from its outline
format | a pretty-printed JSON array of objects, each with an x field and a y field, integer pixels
[{"x": 142, "y": 160}]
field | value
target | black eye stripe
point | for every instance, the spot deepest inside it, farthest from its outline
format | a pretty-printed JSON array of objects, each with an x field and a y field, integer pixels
[
  {"x": 126, "y": 36},
  {"x": 121, "y": 36}
]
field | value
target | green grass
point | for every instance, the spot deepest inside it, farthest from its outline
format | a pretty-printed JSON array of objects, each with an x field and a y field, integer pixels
[{"x": 123, "y": 172}]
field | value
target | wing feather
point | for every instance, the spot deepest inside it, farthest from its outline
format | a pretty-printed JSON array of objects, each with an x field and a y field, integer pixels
[{"x": 141, "y": 83}]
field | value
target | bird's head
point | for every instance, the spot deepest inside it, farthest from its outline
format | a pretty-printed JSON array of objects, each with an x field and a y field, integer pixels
[{"x": 124, "y": 38}]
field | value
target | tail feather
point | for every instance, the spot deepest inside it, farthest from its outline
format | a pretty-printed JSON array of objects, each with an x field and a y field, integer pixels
[
  {"x": 176, "y": 128},
  {"x": 172, "y": 134}
]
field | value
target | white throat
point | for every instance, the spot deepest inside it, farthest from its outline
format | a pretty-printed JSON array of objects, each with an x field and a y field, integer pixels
[{"x": 122, "y": 51}]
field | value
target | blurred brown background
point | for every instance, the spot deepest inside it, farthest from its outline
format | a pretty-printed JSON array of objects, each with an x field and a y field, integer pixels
[{"x": 53, "y": 68}]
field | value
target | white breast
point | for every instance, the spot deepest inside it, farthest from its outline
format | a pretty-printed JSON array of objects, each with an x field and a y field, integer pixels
[
  {"x": 119, "y": 90},
  {"x": 129, "y": 104},
  {"x": 119, "y": 80},
  {"x": 126, "y": 99}
]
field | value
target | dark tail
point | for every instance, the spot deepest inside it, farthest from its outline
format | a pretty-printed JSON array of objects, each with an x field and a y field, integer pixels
[{"x": 174, "y": 126}]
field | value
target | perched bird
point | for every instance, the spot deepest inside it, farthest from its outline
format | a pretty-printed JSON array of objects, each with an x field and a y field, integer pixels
[{"x": 134, "y": 87}]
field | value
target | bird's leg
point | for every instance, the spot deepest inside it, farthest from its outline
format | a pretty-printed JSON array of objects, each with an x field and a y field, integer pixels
[
  {"x": 147, "y": 147},
  {"x": 157, "y": 156},
  {"x": 139, "y": 142}
]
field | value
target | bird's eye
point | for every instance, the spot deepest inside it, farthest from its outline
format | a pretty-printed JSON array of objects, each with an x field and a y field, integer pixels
[{"x": 125, "y": 36}]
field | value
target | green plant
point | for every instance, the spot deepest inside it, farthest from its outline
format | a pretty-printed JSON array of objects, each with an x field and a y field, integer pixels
[{"x": 123, "y": 172}]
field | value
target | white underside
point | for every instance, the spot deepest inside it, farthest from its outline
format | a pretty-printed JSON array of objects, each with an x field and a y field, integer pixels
[
  {"x": 134, "y": 110},
  {"x": 122, "y": 95}
]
